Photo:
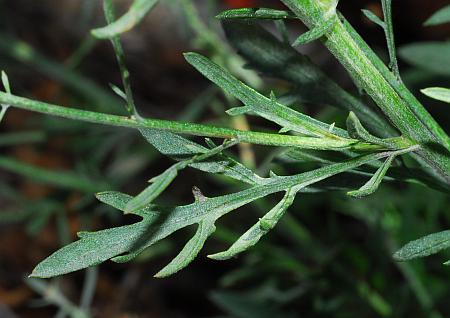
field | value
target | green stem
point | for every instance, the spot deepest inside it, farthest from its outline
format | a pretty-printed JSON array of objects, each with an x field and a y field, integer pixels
[
  {"x": 188, "y": 128},
  {"x": 389, "y": 31},
  {"x": 405, "y": 113}
]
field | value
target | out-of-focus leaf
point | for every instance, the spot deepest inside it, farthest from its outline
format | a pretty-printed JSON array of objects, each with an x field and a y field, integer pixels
[
  {"x": 89, "y": 89},
  {"x": 63, "y": 179},
  {"x": 431, "y": 56},
  {"x": 374, "y": 18},
  {"x": 181, "y": 148},
  {"x": 439, "y": 17},
  {"x": 438, "y": 93},
  {"x": 137, "y": 11},
  {"x": 5, "y": 82}
]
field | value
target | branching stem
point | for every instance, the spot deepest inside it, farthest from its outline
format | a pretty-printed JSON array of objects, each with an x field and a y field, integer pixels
[
  {"x": 188, "y": 128},
  {"x": 410, "y": 118}
]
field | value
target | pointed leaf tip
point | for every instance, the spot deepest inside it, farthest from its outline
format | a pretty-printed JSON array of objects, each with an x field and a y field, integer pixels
[
  {"x": 190, "y": 250},
  {"x": 425, "y": 246},
  {"x": 316, "y": 32},
  {"x": 5, "y": 82},
  {"x": 438, "y": 93}
]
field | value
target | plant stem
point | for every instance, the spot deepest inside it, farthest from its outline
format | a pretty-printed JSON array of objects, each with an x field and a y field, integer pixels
[
  {"x": 188, "y": 128},
  {"x": 389, "y": 32},
  {"x": 404, "y": 111}
]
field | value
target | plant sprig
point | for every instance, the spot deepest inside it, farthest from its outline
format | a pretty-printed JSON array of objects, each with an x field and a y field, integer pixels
[{"x": 421, "y": 136}]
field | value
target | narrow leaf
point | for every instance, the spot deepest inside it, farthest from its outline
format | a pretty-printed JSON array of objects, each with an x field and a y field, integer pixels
[
  {"x": 137, "y": 11},
  {"x": 190, "y": 250},
  {"x": 256, "y": 13},
  {"x": 390, "y": 39},
  {"x": 439, "y": 17},
  {"x": 125, "y": 242},
  {"x": 118, "y": 91},
  {"x": 236, "y": 111},
  {"x": 159, "y": 184},
  {"x": 372, "y": 185},
  {"x": 62, "y": 179},
  {"x": 257, "y": 231},
  {"x": 261, "y": 105},
  {"x": 180, "y": 148},
  {"x": 316, "y": 33},
  {"x": 5, "y": 82},
  {"x": 430, "y": 56},
  {"x": 356, "y": 130},
  {"x": 274, "y": 58},
  {"x": 425, "y": 246},
  {"x": 374, "y": 18},
  {"x": 438, "y": 93}
]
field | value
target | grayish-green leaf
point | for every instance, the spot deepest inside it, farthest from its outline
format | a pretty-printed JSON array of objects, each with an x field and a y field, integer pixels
[
  {"x": 120, "y": 56},
  {"x": 123, "y": 243},
  {"x": 261, "y": 105},
  {"x": 439, "y": 17},
  {"x": 118, "y": 91},
  {"x": 430, "y": 56},
  {"x": 356, "y": 130},
  {"x": 374, "y": 18},
  {"x": 181, "y": 148},
  {"x": 236, "y": 111},
  {"x": 315, "y": 33},
  {"x": 190, "y": 250},
  {"x": 256, "y": 13},
  {"x": 438, "y": 93},
  {"x": 4, "y": 107},
  {"x": 425, "y": 246},
  {"x": 274, "y": 58},
  {"x": 261, "y": 228},
  {"x": 389, "y": 33},
  {"x": 137, "y": 11},
  {"x": 5, "y": 82},
  {"x": 63, "y": 179},
  {"x": 159, "y": 184},
  {"x": 372, "y": 185}
]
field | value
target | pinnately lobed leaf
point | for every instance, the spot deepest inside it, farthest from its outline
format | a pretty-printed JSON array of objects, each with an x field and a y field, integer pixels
[
  {"x": 425, "y": 246},
  {"x": 121, "y": 244},
  {"x": 438, "y": 93}
]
